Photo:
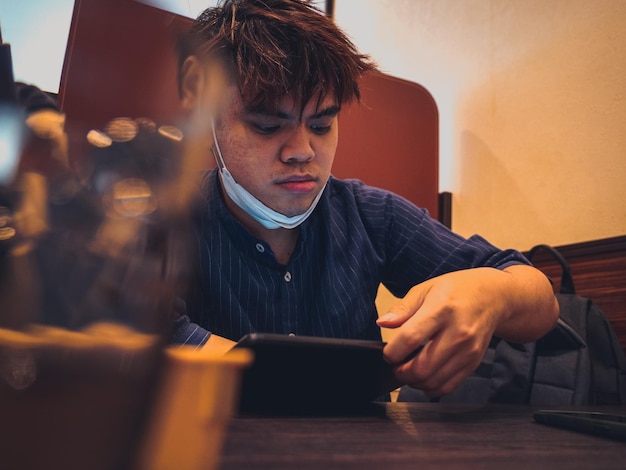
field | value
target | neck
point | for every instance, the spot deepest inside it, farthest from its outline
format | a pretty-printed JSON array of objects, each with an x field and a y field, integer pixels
[{"x": 281, "y": 240}]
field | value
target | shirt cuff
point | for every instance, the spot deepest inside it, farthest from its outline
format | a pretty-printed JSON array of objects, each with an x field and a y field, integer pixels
[{"x": 189, "y": 333}]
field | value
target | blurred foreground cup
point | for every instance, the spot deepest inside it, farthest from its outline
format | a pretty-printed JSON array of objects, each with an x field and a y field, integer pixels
[
  {"x": 74, "y": 399},
  {"x": 198, "y": 395}
]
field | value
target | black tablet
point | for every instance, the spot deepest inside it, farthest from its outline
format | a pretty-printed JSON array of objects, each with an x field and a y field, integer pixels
[{"x": 304, "y": 373}]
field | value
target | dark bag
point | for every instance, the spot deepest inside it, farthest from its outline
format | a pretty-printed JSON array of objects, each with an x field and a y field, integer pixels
[
  {"x": 579, "y": 362},
  {"x": 597, "y": 368}
]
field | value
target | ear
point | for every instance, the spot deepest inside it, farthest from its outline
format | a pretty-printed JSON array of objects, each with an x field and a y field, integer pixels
[{"x": 192, "y": 82}]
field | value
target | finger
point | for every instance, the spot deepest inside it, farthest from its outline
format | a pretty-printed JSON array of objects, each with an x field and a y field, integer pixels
[
  {"x": 405, "y": 308},
  {"x": 413, "y": 334},
  {"x": 448, "y": 381},
  {"x": 419, "y": 369},
  {"x": 439, "y": 369}
]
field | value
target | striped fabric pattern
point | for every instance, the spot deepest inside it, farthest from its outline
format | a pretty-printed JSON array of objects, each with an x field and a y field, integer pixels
[{"x": 358, "y": 237}]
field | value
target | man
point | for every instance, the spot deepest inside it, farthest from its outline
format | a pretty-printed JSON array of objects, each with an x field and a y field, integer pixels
[{"x": 284, "y": 247}]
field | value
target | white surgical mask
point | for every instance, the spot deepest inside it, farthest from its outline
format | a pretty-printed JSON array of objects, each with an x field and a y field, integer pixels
[{"x": 264, "y": 215}]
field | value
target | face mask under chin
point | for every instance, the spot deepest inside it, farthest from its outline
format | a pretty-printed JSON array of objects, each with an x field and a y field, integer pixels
[{"x": 267, "y": 217}]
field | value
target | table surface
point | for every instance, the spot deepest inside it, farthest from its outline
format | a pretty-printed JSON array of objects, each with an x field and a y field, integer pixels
[{"x": 410, "y": 435}]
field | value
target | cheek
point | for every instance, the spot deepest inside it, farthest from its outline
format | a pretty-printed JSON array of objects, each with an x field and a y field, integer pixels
[
  {"x": 251, "y": 150},
  {"x": 329, "y": 146},
  {"x": 244, "y": 158},
  {"x": 233, "y": 144}
]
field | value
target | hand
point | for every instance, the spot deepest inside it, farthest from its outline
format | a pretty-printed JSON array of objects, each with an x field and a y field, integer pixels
[
  {"x": 217, "y": 345},
  {"x": 46, "y": 149},
  {"x": 454, "y": 317}
]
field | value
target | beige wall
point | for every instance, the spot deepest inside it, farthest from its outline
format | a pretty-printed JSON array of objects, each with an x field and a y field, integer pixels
[{"x": 532, "y": 100}]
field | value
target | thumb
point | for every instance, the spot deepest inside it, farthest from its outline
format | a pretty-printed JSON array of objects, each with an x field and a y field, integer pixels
[{"x": 406, "y": 307}]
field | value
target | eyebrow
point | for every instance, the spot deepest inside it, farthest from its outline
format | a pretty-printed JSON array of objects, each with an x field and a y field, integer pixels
[
  {"x": 332, "y": 110},
  {"x": 329, "y": 111}
]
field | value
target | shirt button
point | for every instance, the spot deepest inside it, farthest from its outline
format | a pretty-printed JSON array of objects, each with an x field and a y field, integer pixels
[
  {"x": 260, "y": 248},
  {"x": 287, "y": 276}
]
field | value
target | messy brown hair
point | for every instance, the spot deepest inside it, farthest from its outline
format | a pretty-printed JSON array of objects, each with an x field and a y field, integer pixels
[{"x": 276, "y": 47}]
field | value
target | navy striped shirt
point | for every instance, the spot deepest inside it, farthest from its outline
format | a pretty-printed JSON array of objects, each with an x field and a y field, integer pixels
[{"x": 357, "y": 237}]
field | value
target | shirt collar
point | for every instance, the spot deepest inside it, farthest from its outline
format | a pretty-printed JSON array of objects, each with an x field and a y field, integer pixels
[{"x": 247, "y": 242}]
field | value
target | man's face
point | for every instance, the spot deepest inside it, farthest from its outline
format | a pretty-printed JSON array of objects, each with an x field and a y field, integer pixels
[{"x": 282, "y": 157}]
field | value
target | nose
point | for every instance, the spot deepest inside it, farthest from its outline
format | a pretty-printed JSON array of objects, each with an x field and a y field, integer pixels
[{"x": 298, "y": 148}]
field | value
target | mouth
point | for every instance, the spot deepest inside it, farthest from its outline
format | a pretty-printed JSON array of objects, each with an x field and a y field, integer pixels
[{"x": 300, "y": 184}]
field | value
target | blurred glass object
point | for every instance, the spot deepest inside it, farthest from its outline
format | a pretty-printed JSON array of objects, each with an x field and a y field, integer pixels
[
  {"x": 132, "y": 197},
  {"x": 98, "y": 139},
  {"x": 171, "y": 132},
  {"x": 7, "y": 231},
  {"x": 11, "y": 140},
  {"x": 122, "y": 129},
  {"x": 89, "y": 269}
]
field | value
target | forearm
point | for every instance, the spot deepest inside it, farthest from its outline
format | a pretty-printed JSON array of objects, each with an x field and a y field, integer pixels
[{"x": 531, "y": 308}]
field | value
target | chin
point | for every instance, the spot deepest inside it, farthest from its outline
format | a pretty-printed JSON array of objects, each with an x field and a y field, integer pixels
[
  {"x": 293, "y": 209},
  {"x": 292, "y": 212}
]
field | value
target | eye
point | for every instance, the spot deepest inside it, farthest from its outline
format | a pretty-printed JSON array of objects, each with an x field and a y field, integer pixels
[
  {"x": 265, "y": 130},
  {"x": 321, "y": 128}
]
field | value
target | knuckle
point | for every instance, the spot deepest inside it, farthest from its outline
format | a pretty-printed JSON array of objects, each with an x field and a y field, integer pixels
[
  {"x": 466, "y": 334},
  {"x": 414, "y": 374}
]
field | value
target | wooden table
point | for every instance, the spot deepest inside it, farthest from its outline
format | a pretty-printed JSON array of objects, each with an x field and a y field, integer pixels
[{"x": 416, "y": 435}]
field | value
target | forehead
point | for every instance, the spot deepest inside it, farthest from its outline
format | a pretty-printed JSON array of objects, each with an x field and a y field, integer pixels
[
  {"x": 269, "y": 101},
  {"x": 234, "y": 104},
  {"x": 288, "y": 107}
]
